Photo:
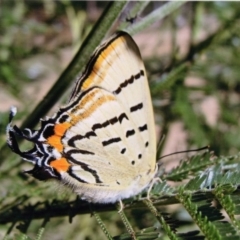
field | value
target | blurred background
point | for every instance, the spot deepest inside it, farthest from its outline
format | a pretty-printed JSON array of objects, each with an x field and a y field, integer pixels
[{"x": 192, "y": 58}]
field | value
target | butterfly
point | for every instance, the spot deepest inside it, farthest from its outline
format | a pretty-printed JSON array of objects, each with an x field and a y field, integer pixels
[{"x": 102, "y": 143}]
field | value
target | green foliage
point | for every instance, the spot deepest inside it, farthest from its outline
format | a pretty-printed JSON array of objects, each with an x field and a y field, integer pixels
[
  {"x": 198, "y": 197},
  {"x": 188, "y": 167}
]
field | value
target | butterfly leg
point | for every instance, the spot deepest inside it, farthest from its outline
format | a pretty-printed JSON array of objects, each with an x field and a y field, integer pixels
[
  {"x": 120, "y": 206},
  {"x": 154, "y": 180}
]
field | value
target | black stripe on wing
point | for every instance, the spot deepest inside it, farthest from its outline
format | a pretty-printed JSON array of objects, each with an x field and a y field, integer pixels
[{"x": 128, "y": 81}]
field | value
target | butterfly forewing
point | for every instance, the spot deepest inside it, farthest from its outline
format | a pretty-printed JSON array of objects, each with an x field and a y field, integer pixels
[{"x": 117, "y": 67}]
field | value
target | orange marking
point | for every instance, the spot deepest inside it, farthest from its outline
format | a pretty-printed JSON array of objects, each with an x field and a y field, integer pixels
[
  {"x": 61, "y": 128},
  {"x": 98, "y": 69},
  {"x": 88, "y": 97},
  {"x": 100, "y": 101},
  {"x": 55, "y": 141},
  {"x": 84, "y": 101},
  {"x": 59, "y": 131},
  {"x": 61, "y": 164}
]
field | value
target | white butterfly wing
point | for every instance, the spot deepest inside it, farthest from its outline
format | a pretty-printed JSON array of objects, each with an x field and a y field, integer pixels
[{"x": 113, "y": 119}]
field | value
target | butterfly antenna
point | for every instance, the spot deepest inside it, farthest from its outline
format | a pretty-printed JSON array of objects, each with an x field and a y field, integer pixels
[{"x": 186, "y": 151}]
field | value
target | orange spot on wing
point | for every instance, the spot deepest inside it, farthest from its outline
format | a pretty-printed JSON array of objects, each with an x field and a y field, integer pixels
[
  {"x": 61, "y": 128},
  {"x": 59, "y": 131},
  {"x": 61, "y": 164},
  {"x": 55, "y": 141}
]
